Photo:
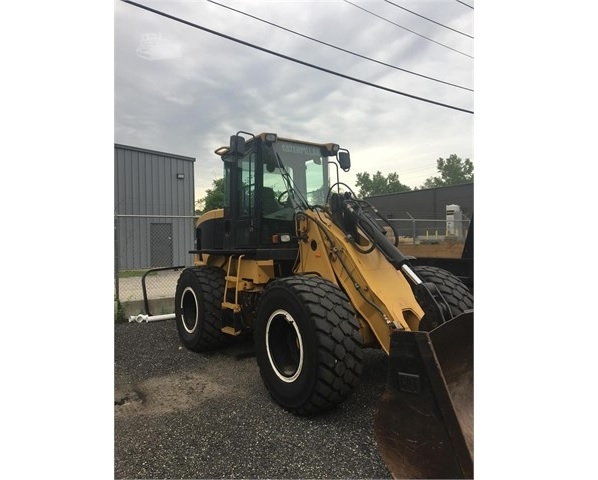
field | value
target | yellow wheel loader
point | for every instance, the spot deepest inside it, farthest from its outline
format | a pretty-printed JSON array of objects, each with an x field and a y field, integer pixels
[{"x": 316, "y": 275}]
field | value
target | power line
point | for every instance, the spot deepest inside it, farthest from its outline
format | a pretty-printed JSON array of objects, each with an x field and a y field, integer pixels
[
  {"x": 462, "y": 3},
  {"x": 405, "y": 28},
  {"x": 428, "y": 19},
  {"x": 301, "y": 62},
  {"x": 338, "y": 48}
]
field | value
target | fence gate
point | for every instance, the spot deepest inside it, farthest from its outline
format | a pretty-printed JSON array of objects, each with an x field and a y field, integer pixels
[{"x": 161, "y": 244}]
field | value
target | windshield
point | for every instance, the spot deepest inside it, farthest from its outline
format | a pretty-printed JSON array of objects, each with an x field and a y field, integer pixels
[{"x": 307, "y": 169}]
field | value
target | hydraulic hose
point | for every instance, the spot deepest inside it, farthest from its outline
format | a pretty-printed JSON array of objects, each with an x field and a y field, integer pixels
[{"x": 393, "y": 254}]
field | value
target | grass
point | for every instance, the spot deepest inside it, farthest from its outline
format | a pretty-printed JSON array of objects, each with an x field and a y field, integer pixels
[
  {"x": 133, "y": 273},
  {"x": 119, "y": 312}
]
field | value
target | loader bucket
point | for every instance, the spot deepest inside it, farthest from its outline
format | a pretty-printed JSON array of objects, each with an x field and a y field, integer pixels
[{"x": 424, "y": 422}]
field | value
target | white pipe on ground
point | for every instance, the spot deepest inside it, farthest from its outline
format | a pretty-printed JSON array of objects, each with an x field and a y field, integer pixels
[{"x": 154, "y": 318}]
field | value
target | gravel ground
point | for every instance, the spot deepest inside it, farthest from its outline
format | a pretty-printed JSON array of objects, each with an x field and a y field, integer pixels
[{"x": 180, "y": 414}]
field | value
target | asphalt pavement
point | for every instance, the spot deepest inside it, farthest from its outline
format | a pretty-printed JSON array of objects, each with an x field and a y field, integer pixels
[{"x": 180, "y": 414}]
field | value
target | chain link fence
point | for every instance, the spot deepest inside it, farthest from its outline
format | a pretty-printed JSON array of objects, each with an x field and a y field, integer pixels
[
  {"x": 150, "y": 253},
  {"x": 146, "y": 292},
  {"x": 420, "y": 231},
  {"x": 148, "y": 260}
]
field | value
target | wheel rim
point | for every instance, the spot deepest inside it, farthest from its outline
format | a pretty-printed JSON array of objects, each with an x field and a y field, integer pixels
[
  {"x": 189, "y": 310},
  {"x": 284, "y": 346}
]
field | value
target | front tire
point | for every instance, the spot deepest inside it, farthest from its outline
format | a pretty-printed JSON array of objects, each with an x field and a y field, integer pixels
[
  {"x": 307, "y": 344},
  {"x": 454, "y": 291},
  {"x": 198, "y": 310}
]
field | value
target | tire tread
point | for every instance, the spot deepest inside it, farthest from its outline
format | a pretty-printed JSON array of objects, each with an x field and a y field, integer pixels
[
  {"x": 338, "y": 341},
  {"x": 211, "y": 285}
]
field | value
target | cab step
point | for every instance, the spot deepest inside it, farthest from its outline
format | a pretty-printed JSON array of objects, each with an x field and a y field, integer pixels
[{"x": 228, "y": 330}]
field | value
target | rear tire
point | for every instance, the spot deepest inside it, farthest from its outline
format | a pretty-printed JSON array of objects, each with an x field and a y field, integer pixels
[
  {"x": 454, "y": 291},
  {"x": 307, "y": 344},
  {"x": 198, "y": 308}
]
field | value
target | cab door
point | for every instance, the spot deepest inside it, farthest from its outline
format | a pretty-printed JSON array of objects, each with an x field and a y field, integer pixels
[{"x": 240, "y": 201}]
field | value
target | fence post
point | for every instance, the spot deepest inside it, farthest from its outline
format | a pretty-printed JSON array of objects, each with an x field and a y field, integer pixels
[
  {"x": 116, "y": 263},
  {"x": 413, "y": 226}
]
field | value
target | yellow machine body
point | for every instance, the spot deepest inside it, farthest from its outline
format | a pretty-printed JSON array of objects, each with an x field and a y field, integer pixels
[{"x": 261, "y": 267}]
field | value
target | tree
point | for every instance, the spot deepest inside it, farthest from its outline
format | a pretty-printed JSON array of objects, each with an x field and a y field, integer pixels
[
  {"x": 453, "y": 171},
  {"x": 379, "y": 184},
  {"x": 214, "y": 198}
]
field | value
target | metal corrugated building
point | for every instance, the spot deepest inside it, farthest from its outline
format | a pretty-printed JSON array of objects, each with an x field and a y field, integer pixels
[
  {"x": 153, "y": 208},
  {"x": 417, "y": 212},
  {"x": 425, "y": 203}
]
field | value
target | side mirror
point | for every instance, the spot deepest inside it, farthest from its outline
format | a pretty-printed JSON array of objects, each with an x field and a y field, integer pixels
[
  {"x": 237, "y": 145},
  {"x": 344, "y": 160}
]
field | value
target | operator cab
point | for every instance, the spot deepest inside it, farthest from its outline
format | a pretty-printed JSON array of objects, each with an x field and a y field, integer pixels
[{"x": 267, "y": 180}]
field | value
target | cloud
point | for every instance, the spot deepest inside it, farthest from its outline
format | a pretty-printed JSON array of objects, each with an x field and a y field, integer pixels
[{"x": 190, "y": 90}]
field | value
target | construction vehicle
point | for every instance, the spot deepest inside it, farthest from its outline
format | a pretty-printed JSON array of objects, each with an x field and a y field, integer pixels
[{"x": 311, "y": 271}]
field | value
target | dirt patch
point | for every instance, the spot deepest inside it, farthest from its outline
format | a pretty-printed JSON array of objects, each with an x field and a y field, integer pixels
[
  {"x": 433, "y": 250},
  {"x": 167, "y": 394}
]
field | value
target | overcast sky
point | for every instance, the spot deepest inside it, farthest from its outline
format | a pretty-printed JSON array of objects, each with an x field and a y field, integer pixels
[
  {"x": 73, "y": 85},
  {"x": 182, "y": 90}
]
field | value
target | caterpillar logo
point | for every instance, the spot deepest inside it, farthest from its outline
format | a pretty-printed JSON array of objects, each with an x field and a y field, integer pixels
[{"x": 300, "y": 149}]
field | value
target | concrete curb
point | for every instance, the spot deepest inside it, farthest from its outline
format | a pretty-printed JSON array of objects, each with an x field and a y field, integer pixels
[{"x": 158, "y": 306}]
